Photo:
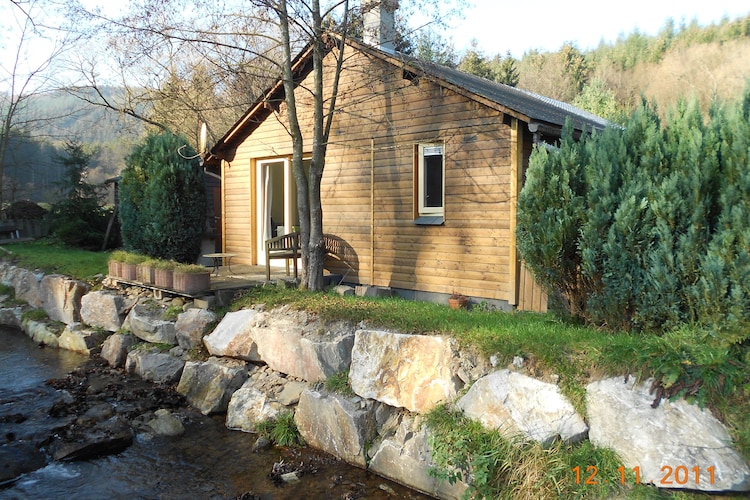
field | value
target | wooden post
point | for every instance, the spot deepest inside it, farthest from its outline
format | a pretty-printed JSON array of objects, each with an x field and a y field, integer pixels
[
  {"x": 109, "y": 227},
  {"x": 372, "y": 211}
]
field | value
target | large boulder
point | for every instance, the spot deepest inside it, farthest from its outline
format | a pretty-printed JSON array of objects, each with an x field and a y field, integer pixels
[
  {"x": 77, "y": 338},
  {"x": 41, "y": 332},
  {"x": 116, "y": 347},
  {"x": 516, "y": 404},
  {"x": 415, "y": 372},
  {"x": 105, "y": 309},
  {"x": 25, "y": 283},
  {"x": 104, "y": 438},
  {"x": 61, "y": 297},
  {"x": 336, "y": 424},
  {"x": 250, "y": 406},
  {"x": 233, "y": 336},
  {"x": 405, "y": 458},
  {"x": 209, "y": 385},
  {"x": 146, "y": 321},
  {"x": 154, "y": 366},
  {"x": 300, "y": 345},
  {"x": 192, "y": 325},
  {"x": 674, "y": 445}
]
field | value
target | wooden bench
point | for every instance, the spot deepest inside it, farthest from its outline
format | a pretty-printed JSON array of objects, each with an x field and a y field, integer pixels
[{"x": 286, "y": 247}]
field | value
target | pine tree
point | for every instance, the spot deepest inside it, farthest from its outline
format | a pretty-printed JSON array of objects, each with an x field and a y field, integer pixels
[
  {"x": 506, "y": 70},
  {"x": 78, "y": 218}
]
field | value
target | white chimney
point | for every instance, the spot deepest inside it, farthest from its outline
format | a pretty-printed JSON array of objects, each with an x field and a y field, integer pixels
[{"x": 379, "y": 23}]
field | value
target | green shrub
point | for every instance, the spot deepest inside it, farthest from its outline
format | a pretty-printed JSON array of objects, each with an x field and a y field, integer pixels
[
  {"x": 162, "y": 199},
  {"x": 134, "y": 258},
  {"x": 171, "y": 313},
  {"x": 646, "y": 227}
]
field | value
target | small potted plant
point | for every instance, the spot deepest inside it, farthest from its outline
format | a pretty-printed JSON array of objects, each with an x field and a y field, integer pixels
[
  {"x": 191, "y": 278},
  {"x": 458, "y": 300},
  {"x": 164, "y": 273},
  {"x": 114, "y": 265},
  {"x": 129, "y": 266}
]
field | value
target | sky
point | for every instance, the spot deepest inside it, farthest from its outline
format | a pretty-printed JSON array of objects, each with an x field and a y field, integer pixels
[{"x": 519, "y": 26}]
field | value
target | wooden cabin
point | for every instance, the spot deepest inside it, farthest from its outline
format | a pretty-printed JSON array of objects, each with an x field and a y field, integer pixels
[{"x": 422, "y": 175}]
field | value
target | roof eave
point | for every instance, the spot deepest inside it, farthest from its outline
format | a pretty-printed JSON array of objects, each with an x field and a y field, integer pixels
[{"x": 260, "y": 109}]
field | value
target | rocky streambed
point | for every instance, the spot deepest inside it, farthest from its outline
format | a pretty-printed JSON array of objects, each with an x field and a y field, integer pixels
[{"x": 99, "y": 432}]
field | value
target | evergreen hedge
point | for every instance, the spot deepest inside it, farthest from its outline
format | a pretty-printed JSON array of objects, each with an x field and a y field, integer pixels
[
  {"x": 162, "y": 199},
  {"x": 646, "y": 227}
]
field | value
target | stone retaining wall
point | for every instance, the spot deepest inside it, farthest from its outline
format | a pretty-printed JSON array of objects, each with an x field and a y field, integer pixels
[{"x": 267, "y": 362}]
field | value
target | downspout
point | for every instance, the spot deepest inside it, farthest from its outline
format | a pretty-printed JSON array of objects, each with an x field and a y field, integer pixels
[
  {"x": 372, "y": 211},
  {"x": 223, "y": 206},
  {"x": 516, "y": 162}
]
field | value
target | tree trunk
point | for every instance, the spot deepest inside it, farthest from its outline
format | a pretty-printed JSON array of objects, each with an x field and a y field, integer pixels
[{"x": 314, "y": 246}]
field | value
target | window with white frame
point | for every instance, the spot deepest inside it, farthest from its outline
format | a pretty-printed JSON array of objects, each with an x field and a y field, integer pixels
[{"x": 430, "y": 181}]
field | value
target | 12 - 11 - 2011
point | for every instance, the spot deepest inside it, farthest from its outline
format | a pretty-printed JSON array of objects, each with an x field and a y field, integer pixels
[{"x": 679, "y": 475}]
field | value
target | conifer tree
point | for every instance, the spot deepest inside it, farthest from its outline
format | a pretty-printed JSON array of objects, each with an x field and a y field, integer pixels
[
  {"x": 550, "y": 213},
  {"x": 78, "y": 217},
  {"x": 162, "y": 199},
  {"x": 646, "y": 227},
  {"x": 721, "y": 295}
]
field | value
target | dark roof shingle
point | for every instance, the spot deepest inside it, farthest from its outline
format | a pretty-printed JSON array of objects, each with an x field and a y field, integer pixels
[{"x": 535, "y": 106}]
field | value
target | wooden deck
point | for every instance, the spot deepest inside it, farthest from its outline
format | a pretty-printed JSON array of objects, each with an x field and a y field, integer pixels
[{"x": 244, "y": 276}]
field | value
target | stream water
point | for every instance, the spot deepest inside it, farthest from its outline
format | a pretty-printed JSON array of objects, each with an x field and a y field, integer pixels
[{"x": 208, "y": 461}]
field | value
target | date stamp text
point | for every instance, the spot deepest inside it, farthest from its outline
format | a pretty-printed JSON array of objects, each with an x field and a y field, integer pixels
[{"x": 671, "y": 476}]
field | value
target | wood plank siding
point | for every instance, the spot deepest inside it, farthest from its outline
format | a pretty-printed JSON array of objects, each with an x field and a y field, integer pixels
[{"x": 368, "y": 184}]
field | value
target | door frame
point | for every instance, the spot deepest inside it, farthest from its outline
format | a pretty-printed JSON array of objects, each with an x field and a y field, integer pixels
[{"x": 264, "y": 186}]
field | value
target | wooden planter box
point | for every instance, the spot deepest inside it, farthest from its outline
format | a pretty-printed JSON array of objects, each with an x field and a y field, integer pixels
[
  {"x": 114, "y": 269},
  {"x": 191, "y": 282},
  {"x": 128, "y": 271},
  {"x": 164, "y": 278},
  {"x": 145, "y": 274}
]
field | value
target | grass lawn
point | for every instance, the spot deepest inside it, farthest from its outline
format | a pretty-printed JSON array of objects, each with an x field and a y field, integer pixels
[
  {"x": 54, "y": 258},
  {"x": 688, "y": 361}
]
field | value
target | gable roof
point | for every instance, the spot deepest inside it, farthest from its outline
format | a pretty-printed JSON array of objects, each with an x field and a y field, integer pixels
[{"x": 534, "y": 109}]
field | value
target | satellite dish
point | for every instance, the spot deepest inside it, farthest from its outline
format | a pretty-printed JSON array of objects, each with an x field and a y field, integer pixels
[{"x": 202, "y": 145}]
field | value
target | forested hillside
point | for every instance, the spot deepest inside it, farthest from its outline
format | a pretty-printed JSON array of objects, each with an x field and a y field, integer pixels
[
  {"x": 680, "y": 61},
  {"x": 32, "y": 168}
]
